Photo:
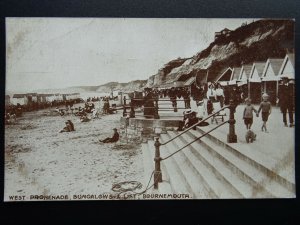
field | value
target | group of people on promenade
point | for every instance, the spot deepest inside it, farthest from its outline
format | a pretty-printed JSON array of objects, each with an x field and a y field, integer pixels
[
  {"x": 286, "y": 102},
  {"x": 210, "y": 98}
]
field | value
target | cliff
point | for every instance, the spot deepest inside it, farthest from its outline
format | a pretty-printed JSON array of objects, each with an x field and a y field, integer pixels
[{"x": 256, "y": 41}]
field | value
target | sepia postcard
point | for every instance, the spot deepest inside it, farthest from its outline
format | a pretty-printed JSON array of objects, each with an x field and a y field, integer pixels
[{"x": 149, "y": 109}]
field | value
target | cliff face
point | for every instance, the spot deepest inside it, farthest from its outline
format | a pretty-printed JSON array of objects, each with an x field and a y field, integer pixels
[
  {"x": 130, "y": 86},
  {"x": 105, "y": 88},
  {"x": 257, "y": 41}
]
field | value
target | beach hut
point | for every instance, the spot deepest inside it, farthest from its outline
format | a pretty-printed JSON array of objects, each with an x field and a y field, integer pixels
[
  {"x": 189, "y": 82},
  {"x": 58, "y": 97},
  {"x": 287, "y": 68},
  {"x": 244, "y": 78},
  {"x": 50, "y": 97},
  {"x": 41, "y": 98},
  {"x": 19, "y": 99},
  {"x": 255, "y": 90},
  {"x": 224, "y": 77},
  {"x": 234, "y": 76},
  {"x": 32, "y": 97},
  {"x": 270, "y": 78}
]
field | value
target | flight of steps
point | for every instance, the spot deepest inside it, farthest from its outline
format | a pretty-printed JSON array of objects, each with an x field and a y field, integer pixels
[{"x": 209, "y": 169}]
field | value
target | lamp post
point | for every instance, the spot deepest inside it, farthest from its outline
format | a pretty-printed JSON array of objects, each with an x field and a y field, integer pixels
[
  {"x": 231, "y": 137},
  {"x": 157, "y": 170},
  {"x": 124, "y": 111}
]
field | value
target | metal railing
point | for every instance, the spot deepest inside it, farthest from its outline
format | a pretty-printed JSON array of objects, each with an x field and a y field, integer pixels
[
  {"x": 231, "y": 138},
  {"x": 155, "y": 107}
]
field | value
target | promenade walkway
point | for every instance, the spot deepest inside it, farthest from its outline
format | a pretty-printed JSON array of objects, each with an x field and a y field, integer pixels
[{"x": 275, "y": 149}]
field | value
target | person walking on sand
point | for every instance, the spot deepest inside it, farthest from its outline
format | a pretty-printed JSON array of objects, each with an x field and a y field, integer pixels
[
  {"x": 113, "y": 139},
  {"x": 265, "y": 108},
  {"x": 248, "y": 114}
]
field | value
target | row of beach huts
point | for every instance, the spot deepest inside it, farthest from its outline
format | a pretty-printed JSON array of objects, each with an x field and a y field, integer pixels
[
  {"x": 256, "y": 78},
  {"x": 25, "y": 99}
]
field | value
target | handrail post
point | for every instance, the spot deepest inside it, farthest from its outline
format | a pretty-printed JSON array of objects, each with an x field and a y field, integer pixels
[
  {"x": 156, "y": 115},
  {"x": 124, "y": 111},
  {"x": 231, "y": 137},
  {"x": 132, "y": 112},
  {"x": 157, "y": 159}
]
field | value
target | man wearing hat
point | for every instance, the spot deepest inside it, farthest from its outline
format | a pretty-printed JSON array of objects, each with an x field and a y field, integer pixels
[
  {"x": 189, "y": 119},
  {"x": 286, "y": 100},
  {"x": 113, "y": 139}
]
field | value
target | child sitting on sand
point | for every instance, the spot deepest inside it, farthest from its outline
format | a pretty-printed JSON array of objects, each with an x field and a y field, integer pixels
[
  {"x": 265, "y": 108},
  {"x": 84, "y": 118},
  {"x": 69, "y": 127}
]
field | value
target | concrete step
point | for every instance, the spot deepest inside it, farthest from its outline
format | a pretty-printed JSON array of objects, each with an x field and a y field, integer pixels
[
  {"x": 221, "y": 169},
  {"x": 177, "y": 179},
  {"x": 148, "y": 164},
  {"x": 205, "y": 168},
  {"x": 262, "y": 185},
  {"x": 261, "y": 161},
  {"x": 192, "y": 176},
  {"x": 220, "y": 178}
]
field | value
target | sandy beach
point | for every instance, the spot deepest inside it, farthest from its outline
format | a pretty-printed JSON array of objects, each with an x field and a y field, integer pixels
[{"x": 41, "y": 161}]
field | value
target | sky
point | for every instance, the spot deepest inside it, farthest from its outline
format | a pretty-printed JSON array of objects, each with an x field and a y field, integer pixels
[{"x": 49, "y": 53}]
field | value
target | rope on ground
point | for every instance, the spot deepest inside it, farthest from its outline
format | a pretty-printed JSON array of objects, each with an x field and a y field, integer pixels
[{"x": 119, "y": 187}]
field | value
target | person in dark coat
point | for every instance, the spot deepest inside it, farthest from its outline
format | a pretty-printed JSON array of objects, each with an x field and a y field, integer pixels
[
  {"x": 149, "y": 105},
  {"x": 189, "y": 119},
  {"x": 286, "y": 100},
  {"x": 187, "y": 100},
  {"x": 113, "y": 139},
  {"x": 235, "y": 96},
  {"x": 173, "y": 96}
]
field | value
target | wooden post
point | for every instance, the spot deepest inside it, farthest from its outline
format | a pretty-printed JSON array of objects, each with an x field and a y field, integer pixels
[
  {"x": 249, "y": 94},
  {"x": 277, "y": 87},
  {"x": 157, "y": 170},
  {"x": 124, "y": 111},
  {"x": 231, "y": 137}
]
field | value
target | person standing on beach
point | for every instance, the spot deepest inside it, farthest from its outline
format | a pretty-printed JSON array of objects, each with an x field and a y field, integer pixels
[{"x": 265, "y": 108}]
